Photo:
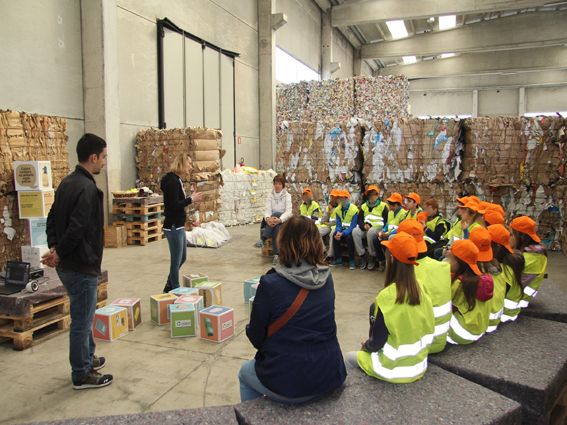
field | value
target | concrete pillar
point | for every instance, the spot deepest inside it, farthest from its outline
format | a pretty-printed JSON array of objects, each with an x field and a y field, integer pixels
[
  {"x": 100, "y": 86},
  {"x": 357, "y": 63},
  {"x": 326, "y": 45},
  {"x": 475, "y": 103},
  {"x": 266, "y": 83},
  {"x": 522, "y": 105}
]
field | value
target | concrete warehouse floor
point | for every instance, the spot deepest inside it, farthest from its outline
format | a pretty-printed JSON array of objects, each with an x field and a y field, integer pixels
[{"x": 153, "y": 372}]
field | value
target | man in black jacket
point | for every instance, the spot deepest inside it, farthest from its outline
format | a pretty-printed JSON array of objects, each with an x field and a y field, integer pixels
[{"x": 75, "y": 238}]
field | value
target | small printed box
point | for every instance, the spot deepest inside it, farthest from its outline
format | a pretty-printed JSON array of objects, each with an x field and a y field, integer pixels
[
  {"x": 250, "y": 303},
  {"x": 216, "y": 323},
  {"x": 133, "y": 308},
  {"x": 253, "y": 290},
  {"x": 32, "y": 255},
  {"x": 183, "y": 320},
  {"x": 195, "y": 300},
  {"x": 182, "y": 290},
  {"x": 190, "y": 280},
  {"x": 158, "y": 308},
  {"x": 110, "y": 323},
  {"x": 32, "y": 175},
  {"x": 247, "y": 284},
  {"x": 36, "y": 230},
  {"x": 211, "y": 293},
  {"x": 35, "y": 204}
]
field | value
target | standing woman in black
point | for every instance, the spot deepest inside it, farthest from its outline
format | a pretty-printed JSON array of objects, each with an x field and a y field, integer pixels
[{"x": 175, "y": 201}]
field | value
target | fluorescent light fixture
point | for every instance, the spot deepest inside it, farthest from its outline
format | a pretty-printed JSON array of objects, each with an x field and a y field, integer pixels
[
  {"x": 409, "y": 59},
  {"x": 447, "y": 55},
  {"x": 397, "y": 29},
  {"x": 446, "y": 22},
  {"x": 428, "y": 58}
]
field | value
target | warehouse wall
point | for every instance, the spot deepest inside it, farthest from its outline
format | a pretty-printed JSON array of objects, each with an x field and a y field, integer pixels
[
  {"x": 343, "y": 52},
  {"x": 41, "y": 62},
  {"x": 225, "y": 23},
  {"x": 491, "y": 102},
  {"x": 301, "y": 36}
]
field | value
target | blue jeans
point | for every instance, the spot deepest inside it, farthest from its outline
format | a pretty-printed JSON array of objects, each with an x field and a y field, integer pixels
[
  {"x": 251, "y": 387},
  {"x": 82, "y": 291},
  {"x": 272, "y": 232},
  {"x": 177, "y": 240}
]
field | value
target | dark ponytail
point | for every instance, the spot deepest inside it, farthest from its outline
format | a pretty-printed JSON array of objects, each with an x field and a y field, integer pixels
[{"x": 469, "y": 283}]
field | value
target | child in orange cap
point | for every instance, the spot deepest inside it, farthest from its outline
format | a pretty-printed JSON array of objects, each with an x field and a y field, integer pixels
[
  {"x": 525, "y": 240},
  {"x": 492, "y": 216},
  {"x": 309, "y": 208},
  {"x": 396, "y": 214},
  {"x": 435, "y": 279},
  {"x": 402, "y": 324},
  {"x": 413, "y": 201},
  {"x": 372, "y": 218},
  {"x": 329, "y": 220},
  {"x": 512, "y": 265},
  {"x": 455, "y": 232},
  {"x": 488, "y": 264},
  {"x": 471, "y": 290},
  {"x": 347, "y": 220}
]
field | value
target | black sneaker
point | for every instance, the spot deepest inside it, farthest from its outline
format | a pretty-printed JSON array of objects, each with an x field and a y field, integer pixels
[
  {"x": 93, "y": 380},
  {"x": 371, "y": 263},
  {"x": 167, "y": 288},
  {"x": 98, "y": 363},
  {"x": 362, "y": 263}
]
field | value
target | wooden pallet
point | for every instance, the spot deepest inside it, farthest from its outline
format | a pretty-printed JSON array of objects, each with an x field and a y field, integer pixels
[
  {"x": 268, "y": 249},
  {"x": 139, "y": 225},
  {"x": 48, "y": 319},
  {"x": 133, "y": 209},
  {"x": 141, "y": 233},
  {"x": 145, "y": 240},
  {"x": 137, "y": 218}
]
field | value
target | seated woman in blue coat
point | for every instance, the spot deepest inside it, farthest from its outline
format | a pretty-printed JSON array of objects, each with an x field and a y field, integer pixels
[{"x": 298, "y": 355}]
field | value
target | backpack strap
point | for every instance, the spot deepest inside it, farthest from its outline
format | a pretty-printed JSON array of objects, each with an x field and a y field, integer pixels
[{"x": 286, "y": 317}]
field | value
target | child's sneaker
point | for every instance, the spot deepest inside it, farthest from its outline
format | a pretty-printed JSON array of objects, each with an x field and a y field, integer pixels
[
  {"x": 276, "y": 260},
  {"x": 259, "y": 244},
  {"x": 98, "y": 363},
  {"x": 93, "y": 380},
  {"x": 336, "y": 263},
  {"x": 352, "y": 265}
]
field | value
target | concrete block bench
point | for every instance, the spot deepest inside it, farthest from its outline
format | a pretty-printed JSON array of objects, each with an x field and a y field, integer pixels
[
  {"x": 525, "y": 361},
  {"x": 439, "y": 397},
  {"x": 550, "y": 303},
  {"x": 208, "y": 415}
]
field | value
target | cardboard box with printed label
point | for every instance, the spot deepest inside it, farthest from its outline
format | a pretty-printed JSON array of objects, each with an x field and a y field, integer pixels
[
  {"x": 110, "y": 323},
  {"x": 35, "y": 204},
  {"x": 182, "y": 290},
  {"x": 158, "y": 308},
  {"x": 133, "y": 308},
  {"x": 216, "y": 323},
  {"x": 195, "y": 300},
  {"x": 36, "y": 230},
  {"x": 190, "y": 280},
  {"x": 211, "y": 293},
  {"x": 253, "y": 290},
  {"x": 32, "y": 175},
  {"x": 183, "y": 320},
  {"x": 32, "y": 255},
  {"x": 247, "y": 284}
]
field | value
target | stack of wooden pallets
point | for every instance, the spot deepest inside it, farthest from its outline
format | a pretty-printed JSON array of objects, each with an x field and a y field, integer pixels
[{"x": 143, "y": 218}]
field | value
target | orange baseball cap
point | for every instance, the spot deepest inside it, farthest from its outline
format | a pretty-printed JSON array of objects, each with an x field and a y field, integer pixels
[
  {"x": 500, "y": 235},
  {"x": 414, "y": 229},
  {"x": 463, "y": 200},
  {"x": 372, "y": 187},
  {"x": 334, "y": 193},
  {"x": 493, "y": 217},
  {"x": 422, "y": 215},
  {"x": 476, "y": 199},
  {"x": 525, "y": 225},
  {"x": 466, "y": 251},
  {"x": 307, "y": 190},
  {"x": 497, "y": 208},
  {"x": 471, "y": 205},
  {"x": 481, "y": 238},
  {"x": 344, "y": 194},
  {"x": 396, "y": 197},
  {"x": 403, "y": 247},
  {"x": 415, "y": 197}
]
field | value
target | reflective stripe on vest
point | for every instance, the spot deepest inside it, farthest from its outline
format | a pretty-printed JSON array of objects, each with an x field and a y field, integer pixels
[
  {"x": 408, "y": 349},
  {"x": 346, "y": 225},
  {"x": 347, "y": 217},
  {"x": 511, "y": 305},
  {"x": 400, "y": 372},
  {"x": 308, "y": 212},
  {"x": 524, "y": 304},
  {"x": 491, "y": 328},
  {"x": 496, "y": 316},
  {"x": 442, "y": 328},
  {"x": 530, "y": 292},
  {"x": 462, "y": 332},
  {"x": 428, "y": 239},
  {"x": 392, "y": 227},
  {"x": 374, "y": 220},
  {"x": 506, "y": 318},
  {"x": 442, "y": 310},
  {"x": 373, "y": 216}
]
